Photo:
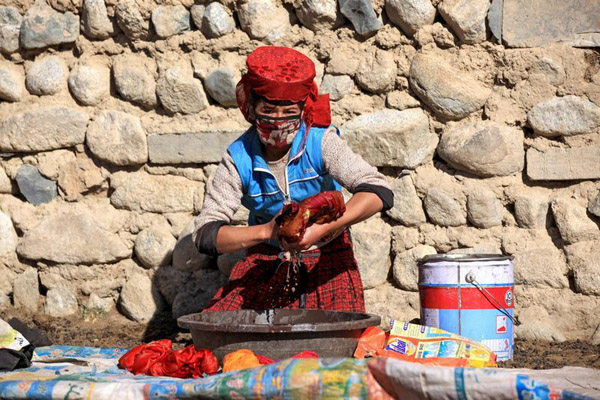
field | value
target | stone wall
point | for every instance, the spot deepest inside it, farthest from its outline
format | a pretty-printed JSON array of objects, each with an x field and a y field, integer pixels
[{"x": 113, "y": 115}]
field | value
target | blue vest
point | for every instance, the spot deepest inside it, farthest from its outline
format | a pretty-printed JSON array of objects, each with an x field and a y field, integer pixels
[{"x": 305, "y": 173}]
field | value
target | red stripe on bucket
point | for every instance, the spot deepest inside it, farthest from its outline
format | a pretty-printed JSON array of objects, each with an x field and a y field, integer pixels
[{"x": 470, "y": 298}]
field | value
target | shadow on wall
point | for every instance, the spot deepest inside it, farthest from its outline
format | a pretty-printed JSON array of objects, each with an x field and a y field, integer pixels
[{"x": 185, "y": 283}]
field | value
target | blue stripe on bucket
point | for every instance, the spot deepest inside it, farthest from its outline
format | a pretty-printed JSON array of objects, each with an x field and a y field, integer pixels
[
  {"x": 464, "y": 284},
  {"x": 478, "y": 325}
]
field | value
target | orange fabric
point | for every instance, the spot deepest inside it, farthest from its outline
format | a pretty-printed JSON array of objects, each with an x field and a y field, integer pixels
[{"x": 241, "y": 359}]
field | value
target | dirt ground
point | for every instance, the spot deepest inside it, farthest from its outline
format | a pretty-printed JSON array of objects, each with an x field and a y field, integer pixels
[{"x": 113, "y": 330}]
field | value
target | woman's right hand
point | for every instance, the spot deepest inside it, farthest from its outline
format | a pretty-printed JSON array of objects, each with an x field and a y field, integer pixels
[{"x": 271, "y": 229}]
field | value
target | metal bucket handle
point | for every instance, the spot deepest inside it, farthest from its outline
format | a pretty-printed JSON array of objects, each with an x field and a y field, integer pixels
[{"x": 470, "y": 278}]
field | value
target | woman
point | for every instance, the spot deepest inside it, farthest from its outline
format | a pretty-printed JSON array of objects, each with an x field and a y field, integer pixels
[{"x": 289, "y": 154}]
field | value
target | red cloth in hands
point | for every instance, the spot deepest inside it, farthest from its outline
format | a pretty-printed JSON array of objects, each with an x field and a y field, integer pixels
[
  {"x": 158, "y": 359},
  {"x": 292, "y": 222},
  {"x": 325, "y": 206},
  {"x": 321, "y": 208}
]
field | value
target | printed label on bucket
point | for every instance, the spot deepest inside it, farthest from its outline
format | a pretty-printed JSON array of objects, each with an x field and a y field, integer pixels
[
  {"x": 501, "y": 347},
  {"x": 501, "y": 324}
]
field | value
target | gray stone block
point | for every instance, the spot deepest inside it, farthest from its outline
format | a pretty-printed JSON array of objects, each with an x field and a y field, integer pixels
[
  {"x": 10, "y": 24},
  {"x": 11, "y": 81},
  {"x": 594, "y": 205},
  {"x": 155, "y": 193},
  {"x": 140, "y": 298},
  {"x": 220, "y": 85},
  {"x": 263, "y": 19},
  {"x": 564, "y": 116},
  {"x": 60, "y": 302},
  {"x": 89, "y": 82},
  {"x": 178, "y": 90},
  {"x": 484, "y": 210},
  {"x": 135, "y": 79},
  {"x": 337, "y": 86},
  {"x": 95, "y": 21},
  {"x": 408, "y": 208},
  {"x": 573, "y": 222},
  {"x": 410, "y": 15},
  {"x": 372, "y": 250},
  {"x": 118, "y": 138},
  {"x": 197, "y": 13},
  {"x": 319, "y": 15},
  {"x": 43, "y": 26},
  {"x": 377, "y": 72},
  {"x": 584, "y": 260},
  {"x": 98, "y": 304},
  {"x": 531, "y": 211},
  {"x": 131, "y": 21},
  {"x": 65, "y": 238},
  {"x": 27, "y": 291},
  {"x": 47, "y": 76},
  {"x": 43, "y": 129},
  {"x": 196, "y": 292},
  {"x": 8, "y": 236},
  {"x": 154, "y": 247},
  {"x": 466, "y": 18},
  {"x": 170, "y": 20},
  {"x": 201, "y": 147},
  {"x": 495, "y": 19},
  {"x": 186, "y": 256},
  {"x": 36, "y": 189},
  {"x": 362, "y": 16},
  {"x": 532, "y": 23},
  {"x": 483, "y": 148},
  {"x": 443, "y": 209},
  {"x": 406, "y": 269},
  {"x": 392, "y": 138},
  {"x": 555, "y": 164},
  {"x": 216, "y": 21},
  {"x": 449, "y": 98}
]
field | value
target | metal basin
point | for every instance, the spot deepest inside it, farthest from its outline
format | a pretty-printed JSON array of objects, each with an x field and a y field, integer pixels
[{"x": 278, "y": 333}]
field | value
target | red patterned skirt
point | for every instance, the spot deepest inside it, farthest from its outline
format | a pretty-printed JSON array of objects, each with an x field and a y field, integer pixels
[{"x": 327, "y": 279}]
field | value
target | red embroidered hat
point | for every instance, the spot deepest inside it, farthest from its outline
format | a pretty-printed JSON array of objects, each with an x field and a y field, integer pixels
[{"x": 281, "y": 73}]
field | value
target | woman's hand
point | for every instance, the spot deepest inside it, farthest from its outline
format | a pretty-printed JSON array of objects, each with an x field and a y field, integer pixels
[
  {"x": 312, "y": 235},
  {"x": 234, "y": 238},
  {"x": 271, "y": 229}
]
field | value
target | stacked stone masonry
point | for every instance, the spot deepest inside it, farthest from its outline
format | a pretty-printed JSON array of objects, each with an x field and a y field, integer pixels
[{"x": 114, "y": 114}]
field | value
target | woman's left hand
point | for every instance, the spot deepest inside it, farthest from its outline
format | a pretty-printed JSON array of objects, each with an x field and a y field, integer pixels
[{"x": 312, "y": 235}]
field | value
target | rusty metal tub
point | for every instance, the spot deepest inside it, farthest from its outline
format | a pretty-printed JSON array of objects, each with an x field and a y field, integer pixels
[{"x": 278, "y": 333}]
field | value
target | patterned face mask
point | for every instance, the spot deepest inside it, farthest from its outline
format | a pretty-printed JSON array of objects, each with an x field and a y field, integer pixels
[{"x": 277, "y": 132}]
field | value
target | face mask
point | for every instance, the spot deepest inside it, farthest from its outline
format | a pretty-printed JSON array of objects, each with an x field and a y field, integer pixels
[{"x": 277, "y": 132}]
